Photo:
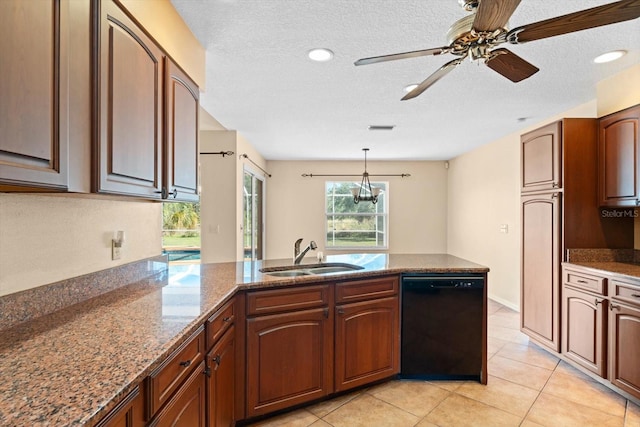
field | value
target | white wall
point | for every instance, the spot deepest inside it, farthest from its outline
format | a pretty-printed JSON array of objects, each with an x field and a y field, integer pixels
[
  {"x": 417, "y": 213},
  {"x": 484, "y": 193},
  {"x": 221, "y": 201},
  {"x": 44, "y": 239}
]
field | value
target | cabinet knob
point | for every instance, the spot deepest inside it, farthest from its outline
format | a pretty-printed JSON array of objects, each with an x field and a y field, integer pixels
[
  {"x": 185, "y": 363},
  {"x": 226, "y": 319},
  {"x": 340, "y": 310},
  {"x": 637, "y": 202},
  {"x": 216, "y": 359}
]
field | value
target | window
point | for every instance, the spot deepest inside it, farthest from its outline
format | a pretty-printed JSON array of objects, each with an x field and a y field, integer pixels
[
  {"x": 355, "y": 226},
  {"x": 252, "y": 216}
]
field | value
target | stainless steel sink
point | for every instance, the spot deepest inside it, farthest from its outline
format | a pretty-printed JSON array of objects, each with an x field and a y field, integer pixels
[
  {"x": 289, "y": 273},
  {"x": 308, "y": 270}
]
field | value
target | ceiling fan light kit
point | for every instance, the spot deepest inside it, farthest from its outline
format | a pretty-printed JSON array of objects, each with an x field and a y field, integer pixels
[{"x": 477, "y": 35}]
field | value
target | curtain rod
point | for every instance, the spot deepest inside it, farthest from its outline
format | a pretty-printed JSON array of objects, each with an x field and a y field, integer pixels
[
  {"x": 311, "y": 175},
  {"x": 255, "y": 164},
  {"x": 222, "y": 153}
]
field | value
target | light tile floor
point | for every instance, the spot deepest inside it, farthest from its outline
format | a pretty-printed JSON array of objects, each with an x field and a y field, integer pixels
[{"x": 527, "y": 387}]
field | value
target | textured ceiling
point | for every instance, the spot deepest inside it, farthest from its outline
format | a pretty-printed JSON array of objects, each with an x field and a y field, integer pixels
[{"x": 261, "y": 83}]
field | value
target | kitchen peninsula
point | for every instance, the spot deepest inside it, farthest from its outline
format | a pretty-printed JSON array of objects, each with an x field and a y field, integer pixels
[{"x": 75, "y": 365}]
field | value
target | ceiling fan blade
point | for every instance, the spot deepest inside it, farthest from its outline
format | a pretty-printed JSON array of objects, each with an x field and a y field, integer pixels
[
  {"x": 494, "y": 14},
  {"x": 396, "y": 56},
  {"x": 511, "y": 65},
  {"x": 442, "y": 71},
  {"x": 611, "y": 13}
]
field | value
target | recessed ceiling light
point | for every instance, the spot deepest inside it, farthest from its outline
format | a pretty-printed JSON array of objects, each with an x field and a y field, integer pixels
[
  {"x": 411, "y": 87},
  {"x": 320, "y": 54},
  {"x": 609, "y": 56}
]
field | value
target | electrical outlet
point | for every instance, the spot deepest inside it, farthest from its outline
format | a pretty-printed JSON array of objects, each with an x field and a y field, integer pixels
[{"x": 116, "y": 251}]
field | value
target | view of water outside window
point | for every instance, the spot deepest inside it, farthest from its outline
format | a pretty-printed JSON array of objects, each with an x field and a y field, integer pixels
[
  {"x": 180, "y": 226},
  {"x": 351, "y": 225}
]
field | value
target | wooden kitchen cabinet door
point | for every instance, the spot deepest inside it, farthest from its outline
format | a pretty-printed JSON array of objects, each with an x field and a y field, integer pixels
[
  {"x": 221, "y": 383},
  {"x": 128, "y": 107},
  {"x": 541, "y": 158},
  {"x": 619, "y": 158},
  {"x": 34, "y": 142},
  {"x": 624, "y": 347},
  {"x": 584, "y": 338},
  {"x": 540, "y": 287},
  {"x": 182, "y": 96},
  {"x": 128, "y": 413},
  {"x": 367, "y": 342},
  {"x": 289, "y": 359},
  {"x": 187, "y": 407}
]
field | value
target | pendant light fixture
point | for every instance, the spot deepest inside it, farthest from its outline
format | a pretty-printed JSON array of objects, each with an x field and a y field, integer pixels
[{"x": 365, "y": 186}]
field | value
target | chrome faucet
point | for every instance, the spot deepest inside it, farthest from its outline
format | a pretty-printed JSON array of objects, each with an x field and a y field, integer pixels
[{"x": 297, "y": 255}]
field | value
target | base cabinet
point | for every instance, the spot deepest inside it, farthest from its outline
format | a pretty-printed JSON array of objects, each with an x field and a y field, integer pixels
[
  {"x": 187, "y": 407},
  {"x": 366, "y": 342},
  {"x": 128, "y": 413},
  {"x": 221, "y": 369},
  {"x": 584, "y": 329},
  {"x": 288, "y": 359},
  {"x": 624, "y": 347}
]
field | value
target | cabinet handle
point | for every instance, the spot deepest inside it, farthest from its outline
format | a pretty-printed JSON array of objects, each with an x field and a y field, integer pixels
[
  {"x": 165, "y": 194},
  {"x": 612, "y": 306},
  {"x": 635, "y": 295},
  {"x": 185, "y": 363},
  {"x": 226, "y": 319},
  {"x": 340, "y": 310},
  {"x": 599, "y": 301},
  {"x": 554, "y": 196},
  {"x": 583, "y": 281},
  {"x": 555, "y": 185},
  {"x": 216, "y": 359},
  {"x": 637, "y": 202},
  {"x": 326, "y": 312}
]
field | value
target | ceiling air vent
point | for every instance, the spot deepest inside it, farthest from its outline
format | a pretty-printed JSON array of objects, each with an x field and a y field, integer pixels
[{"x": 375, "y": 127}]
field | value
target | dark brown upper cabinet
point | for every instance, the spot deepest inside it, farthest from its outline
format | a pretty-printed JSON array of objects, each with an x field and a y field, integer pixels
[
  {"x": 128, "y": 107},
  {"x": 618, "y": 158},
  {"x": 34, "y": 141},
  {"x": 181, "y": 140},
  {"x": 541, "y": 165}
]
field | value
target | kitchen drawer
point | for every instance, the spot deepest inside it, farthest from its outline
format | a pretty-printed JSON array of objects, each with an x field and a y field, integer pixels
[
  {"x": 622, "y": 291},
  {"x": 167, "y": 377},
  {"x": 279, "y": 300},
  {"x": 589, "y": 282},
  {"x": 219, "y": 322},
  {"x": 357, "y": 290}
]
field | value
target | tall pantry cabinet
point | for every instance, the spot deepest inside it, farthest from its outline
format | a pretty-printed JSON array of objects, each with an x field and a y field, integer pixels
[{"x": 559, "y": 211}]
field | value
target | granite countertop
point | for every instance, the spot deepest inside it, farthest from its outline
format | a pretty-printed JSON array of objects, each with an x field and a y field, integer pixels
[
  {"x": 72, "y": 366},
  {"x": 621, "y": 270}
]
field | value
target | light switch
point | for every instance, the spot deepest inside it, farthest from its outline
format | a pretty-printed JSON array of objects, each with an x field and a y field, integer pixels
[{"x": 504, "y": 228}]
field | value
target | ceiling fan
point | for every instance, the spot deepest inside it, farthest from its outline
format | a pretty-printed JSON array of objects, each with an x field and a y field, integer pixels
[{"x": 476, "y": 36}]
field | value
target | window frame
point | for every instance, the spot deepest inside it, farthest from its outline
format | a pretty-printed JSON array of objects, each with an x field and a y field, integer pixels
[{"x": 384, "y": 215}]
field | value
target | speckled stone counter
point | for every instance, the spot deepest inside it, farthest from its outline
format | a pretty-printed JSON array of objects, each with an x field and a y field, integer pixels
[
  {"x": 621, "y": 270},
  {"x": 71, "y": 366}
]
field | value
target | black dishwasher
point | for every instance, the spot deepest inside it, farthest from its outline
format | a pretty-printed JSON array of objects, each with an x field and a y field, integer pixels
[{"x": 442, "y": 326}]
